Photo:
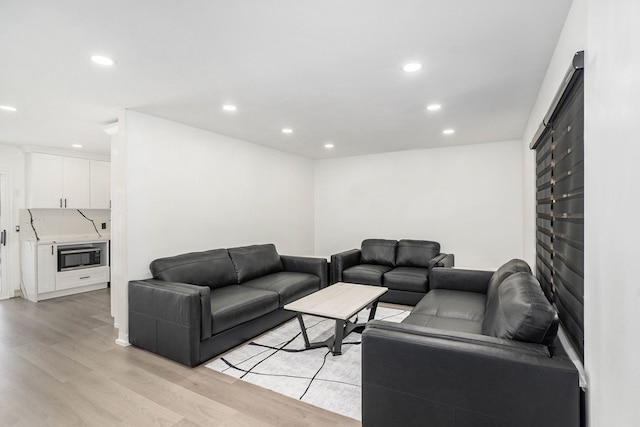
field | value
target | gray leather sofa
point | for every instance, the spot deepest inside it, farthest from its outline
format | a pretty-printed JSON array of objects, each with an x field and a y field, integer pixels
[
  {"x": 402, "y": 266},
  {"x": 199, "y": 305},
  {"x": 480, "y": 349}
]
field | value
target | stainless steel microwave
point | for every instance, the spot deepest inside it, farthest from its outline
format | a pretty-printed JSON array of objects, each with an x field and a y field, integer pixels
[{"x": 71, "y": 258}]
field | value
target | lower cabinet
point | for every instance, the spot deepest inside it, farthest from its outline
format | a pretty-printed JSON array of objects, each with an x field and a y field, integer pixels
[
  {"x": 46, "y": 268},
  {"x": 40, "y": 276},
  {"x": 81, "y": 277}
]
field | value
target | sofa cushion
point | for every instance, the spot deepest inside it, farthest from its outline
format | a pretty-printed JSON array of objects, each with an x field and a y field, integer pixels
[
  {"x": 255, "y": 261},
  {"x": 416, "y": 253},
  {"x": 289, "y": 286},
  {"x": 235, "y": 304},
  {"x": 444, "y": 323},
  {"x": 506, "y": 270},
  {"x": 452, "y": 304},
  {"x": 378, "y": 251},
  {"x": 520, "y": 311},
  {"x": 412, "y": 279},
  {"x": 366, "y": 274},
  {"x": 210, "y": 268}
]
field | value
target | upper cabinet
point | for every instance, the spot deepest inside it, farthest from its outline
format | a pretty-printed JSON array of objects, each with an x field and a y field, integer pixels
[
  {"x": 44, "y": 181},
  {"x": 66, "y": 182},
  {"x": 100, "y": 184},
  {"x": 76, "y": 175}
]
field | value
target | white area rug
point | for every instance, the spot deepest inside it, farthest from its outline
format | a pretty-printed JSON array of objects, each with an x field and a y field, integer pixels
[{"x": 278, "y": 361}]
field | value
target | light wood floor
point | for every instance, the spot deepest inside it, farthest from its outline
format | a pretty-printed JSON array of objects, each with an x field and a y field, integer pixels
[{"x": 60, "y": 366}]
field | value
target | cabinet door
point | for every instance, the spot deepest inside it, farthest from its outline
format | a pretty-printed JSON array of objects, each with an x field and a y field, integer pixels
[
  {"x": 47, "y": 266},
  {"x": 45, "y": 181},
  {"x": 76, "y": 176},
  {"x": 100, "y": 184}
]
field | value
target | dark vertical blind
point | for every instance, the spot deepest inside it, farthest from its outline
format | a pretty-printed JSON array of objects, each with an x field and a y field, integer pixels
[{"x": 560, "y": 208}]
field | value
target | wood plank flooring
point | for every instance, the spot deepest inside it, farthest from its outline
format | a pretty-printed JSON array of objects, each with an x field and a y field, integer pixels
[{"x": 60, "y": 366}]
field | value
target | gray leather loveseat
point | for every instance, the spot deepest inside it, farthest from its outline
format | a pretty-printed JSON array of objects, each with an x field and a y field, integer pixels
[
  {"x": 402, "y": 266},
  {"x": 199, "y": 305},
  {"x": 480, "y": 349}
]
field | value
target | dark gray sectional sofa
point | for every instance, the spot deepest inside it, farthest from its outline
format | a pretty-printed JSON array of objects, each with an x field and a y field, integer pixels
[
  {"x": 199, "y": 305},
  {"x": 480, "y": 349},
  {"x": 402, "y": 266}
]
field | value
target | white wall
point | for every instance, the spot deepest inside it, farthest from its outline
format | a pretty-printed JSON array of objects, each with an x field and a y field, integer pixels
[
  {"x": 612, "y": 199},
  {"x": 572, "y": 39},
  {"x": 612, "y": 204},
  {"x": 179, "y": 189},
  {"x": 468, "y": 198},
  {"x": 190, "y": 190},
  {"x": 12, "y": 165}
]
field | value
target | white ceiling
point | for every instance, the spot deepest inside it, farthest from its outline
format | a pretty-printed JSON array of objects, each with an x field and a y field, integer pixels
[{"x": 329, "y": 69}]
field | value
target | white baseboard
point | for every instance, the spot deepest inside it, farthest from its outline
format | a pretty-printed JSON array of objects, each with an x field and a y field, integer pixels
[{"x": 123, "y": 340}]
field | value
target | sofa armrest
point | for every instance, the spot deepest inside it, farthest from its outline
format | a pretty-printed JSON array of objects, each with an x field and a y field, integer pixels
[
  {"x": 459, "y": 279},
  {"x": 441, "y": 260},
  {"x": 411, "y": 374},
  {"x": 310, "y": 265},
  {"x": 169, "y": 318},
  {"x": 343, "y": 260}
]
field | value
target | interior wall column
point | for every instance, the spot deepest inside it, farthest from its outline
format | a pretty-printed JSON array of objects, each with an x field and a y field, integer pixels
[{"x": 119, "y": 272}]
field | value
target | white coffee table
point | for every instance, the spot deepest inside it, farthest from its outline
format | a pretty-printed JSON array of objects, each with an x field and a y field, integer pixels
[{"x": 340, "y": 301}]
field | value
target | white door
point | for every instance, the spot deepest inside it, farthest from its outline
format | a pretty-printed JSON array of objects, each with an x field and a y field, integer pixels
[{"x": 5, "y": 209}]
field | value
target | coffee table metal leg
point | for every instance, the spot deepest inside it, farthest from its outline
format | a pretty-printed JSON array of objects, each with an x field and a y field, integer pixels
[
  {"x": 304, "y": 331},
  {"x": 372, "y": 312},
  {"x": 342, "y": 329},
  {"x": 339, "y": 334}
]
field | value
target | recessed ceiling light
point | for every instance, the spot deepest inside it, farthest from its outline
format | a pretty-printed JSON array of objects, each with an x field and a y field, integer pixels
[
  {"x": 328, "y": 146},
  {"x": 76, "y": 145},
  {"x": 411, "y": 67},
  {"x": 434, "y": 107},
  {"x": 102, "y": 60},
  {"x": 8, "y": 108},
  {"x": 229, "y": 107},
  {"x": 287, "y": 130},
  {"x": 448, "y": 131}
]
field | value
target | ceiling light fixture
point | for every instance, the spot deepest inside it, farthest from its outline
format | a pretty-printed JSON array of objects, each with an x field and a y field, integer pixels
[
  {"x": 102, "y": 60},
  {"x": 448, "y": 131},
  {"x": 8, "y": 108},
  {"x": 434, "y": 107},
  {"x": 411, "y": 67},
  {"x": 76, "y": 145},
  {"x": 229, "y": 107},
  {"x": 328, "y": 146},
  {"x": 287, "y": 130}
]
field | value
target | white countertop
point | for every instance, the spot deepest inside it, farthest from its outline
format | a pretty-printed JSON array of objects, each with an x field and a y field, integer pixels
[{"x": 71, "y": 239}]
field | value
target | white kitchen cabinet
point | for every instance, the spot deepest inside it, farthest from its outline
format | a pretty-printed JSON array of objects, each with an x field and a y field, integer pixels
[
  {"x": 46, "y": 268},
  {"x": 100, "y": 185},
  {"x": 78, "y": 278},
  {"x": 66, "y": 182},
  {"x": 44, "y": 181},
  {"x": 76, "y": 178},
  {"x": 40, "y": 276}
]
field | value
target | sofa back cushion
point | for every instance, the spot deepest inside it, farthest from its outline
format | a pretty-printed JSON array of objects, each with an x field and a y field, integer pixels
[
  {"x": 518, "y": 310},
  {"x": 255, "y": 261},
  {"x": 506, "y": 270},
  {"x": 416, "y": 253},
  {"x": 209, "y": 268},
  {"x": 379, "y": 251}
]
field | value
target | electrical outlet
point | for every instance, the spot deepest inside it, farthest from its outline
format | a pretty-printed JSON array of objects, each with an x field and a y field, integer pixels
[
  {"x": 104, "y": 225},
  {"x": 17, "y": 228}
]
